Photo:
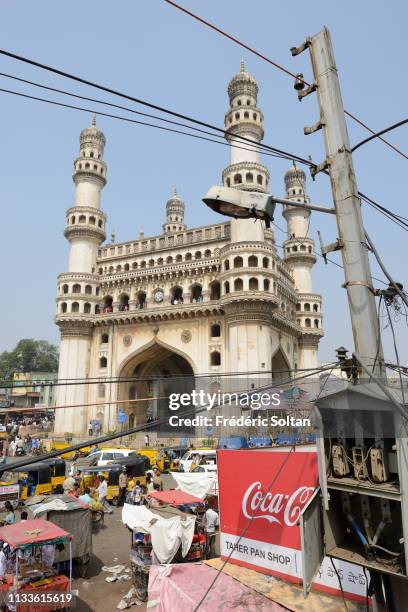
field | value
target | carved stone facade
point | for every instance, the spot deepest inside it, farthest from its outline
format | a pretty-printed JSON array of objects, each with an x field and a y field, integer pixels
[{"x": 207, "y": 301}]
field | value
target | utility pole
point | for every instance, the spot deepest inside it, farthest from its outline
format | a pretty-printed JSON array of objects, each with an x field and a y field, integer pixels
[{"x": 339, "y": 162}]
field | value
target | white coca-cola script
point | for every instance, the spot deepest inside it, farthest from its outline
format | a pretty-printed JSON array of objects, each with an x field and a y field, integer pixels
[{"x": 275, "y": 507}]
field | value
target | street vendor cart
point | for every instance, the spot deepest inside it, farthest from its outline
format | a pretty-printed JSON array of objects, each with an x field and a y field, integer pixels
[
  {"x": 169, "y": 532},
  {"x": 31, "y": 577},
  {"x": 73, "y": 516}
]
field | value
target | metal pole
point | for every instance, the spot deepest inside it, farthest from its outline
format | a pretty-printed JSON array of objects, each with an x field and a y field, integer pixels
[{"x": 358, "y": 282}]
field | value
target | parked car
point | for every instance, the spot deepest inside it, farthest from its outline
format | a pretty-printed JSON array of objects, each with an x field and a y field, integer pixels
[
  {"x": 103, "y": 457},
  {"x": 194, "y": 456}
]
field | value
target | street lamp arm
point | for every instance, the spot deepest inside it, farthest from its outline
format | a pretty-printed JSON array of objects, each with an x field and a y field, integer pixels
[{"x": 323, "y": 209}]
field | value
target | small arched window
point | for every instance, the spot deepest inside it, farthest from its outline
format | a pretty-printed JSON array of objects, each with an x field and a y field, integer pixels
[
  {"x": 306, "y": 307},
  {"x": 87, "y": 166},
  {"x": 236, "y": 115},
  {"x": 72, "y": 220},
  {"x": 188, "y": 257},
  {"x": 316, "y": 323},
  {"x": 308, "y": 323},
  {"x": 315, "y": 308},
  {"x": 82, "y": 219},
  {"x": 298, "y": 306},
  {"x": 255, "y": 116},
  {"x": 266, "y": 284},
  {"x": 265, "y": 262},
  {"x": 75, "y": 307},
  {"x": 91, "y": 154},
  {"x": 238, "y": 262},
  {"x": 197, "y": 255},
  {"x": 151, "y": 263},
  {"x": 207, "y": 253},
  {"x": 179, "y": 258},
  {"x": 215, "y": 330},
  {"x": 259, "y": 179},
  {"x": 100, "y": 223},
  {"x": 253, "y": 284},
  {"x": 92, "y": 220},
  {"x": 65, "y": 289},
  {"x": 88, "y": 289},
  {"x": 226, "y": 265},
  {"x": 215, "y": 291},
  {"x": 97, "y": 309},
  {"x": 104, "y": 338},
  {"x": 215, "y": 358},
  {"x": 226, "y": 287},
  {"x": 302, "y": 247},
  {"x": 76, "y": 288},
  {"x": 126, "y": 267},
  {"x": 246, "y": 115},
  {"x": 237, "y": 179},
  {"x": 103, "y": 362},
  {"x": 228, "y": 182},
  {"x": 238, "y": 284},
  {"x": 169, "y": 259},
  {"x": 310, "y": 249},
  {"x": 143, "y": 264},
  {"x": 249, "y": 177},
  {"x": 87, "y": 308},
  {"x": 64, "y": 307},
  {"x": 252, "y": 261}
]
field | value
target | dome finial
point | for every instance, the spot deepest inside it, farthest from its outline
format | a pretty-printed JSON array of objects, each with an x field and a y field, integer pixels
[
  {"x": 174, "y": 191},
  {"x": 113, "y": 236},
  {"x": 242, "y": 65},
  {"x": 94, "y": 120}
]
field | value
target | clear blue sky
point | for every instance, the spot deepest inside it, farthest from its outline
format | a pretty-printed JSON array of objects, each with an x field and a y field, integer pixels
[{"x": 154, "y": 52}]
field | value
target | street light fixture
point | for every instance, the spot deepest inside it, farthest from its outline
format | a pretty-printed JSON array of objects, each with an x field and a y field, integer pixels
[{"x": 251, "y": 204}]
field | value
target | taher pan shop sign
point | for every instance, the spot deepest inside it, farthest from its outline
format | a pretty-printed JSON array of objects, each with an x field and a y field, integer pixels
[{"x": 272, "y": 543}]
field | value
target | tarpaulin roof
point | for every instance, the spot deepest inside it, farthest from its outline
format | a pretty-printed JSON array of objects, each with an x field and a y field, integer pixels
[
  {"x": 175, "y": 497},
  {"x": 182, "y": 586},
  {"x": 27, "y": 533}
]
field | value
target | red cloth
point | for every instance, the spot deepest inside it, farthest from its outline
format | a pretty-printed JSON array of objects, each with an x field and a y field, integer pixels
[
  {"x": 59, "y": 584},
  {"x": 31, "y": 532},
  {"x": 175, "y": 497}
]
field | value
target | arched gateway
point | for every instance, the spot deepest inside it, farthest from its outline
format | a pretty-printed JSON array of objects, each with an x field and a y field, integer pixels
[{"x": 152, "y": 374}]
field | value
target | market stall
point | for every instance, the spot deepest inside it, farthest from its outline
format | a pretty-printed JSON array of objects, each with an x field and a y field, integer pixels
[
  {"x": 169, "y": 532},
  {"x": 28, "y": 549}
]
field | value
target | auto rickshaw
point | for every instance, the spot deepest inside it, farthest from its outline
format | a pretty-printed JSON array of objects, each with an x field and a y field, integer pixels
[
  {"x": 33, "y": 479},
  {"x": 151, "y": 454},
  {"x": 136, "y": 467},
  {"x": 89, "y": 479},
  {"x": 58, "y": 471}
]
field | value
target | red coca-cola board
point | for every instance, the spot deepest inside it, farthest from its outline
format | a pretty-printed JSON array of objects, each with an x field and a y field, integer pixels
[
  {"x": 271, "y": 542},
  {"x": 244, "y": 478}
]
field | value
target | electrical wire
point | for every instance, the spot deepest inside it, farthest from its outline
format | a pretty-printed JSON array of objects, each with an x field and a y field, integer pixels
[
  {"x": 278, "y": 66},
  {"x": 377, "y": 134},
  {"x": 396, "y": 352},
  {"x": 339, "y": 581},
  {"x": 143, "y": 427},
  {"x": 127, "y": 379}
]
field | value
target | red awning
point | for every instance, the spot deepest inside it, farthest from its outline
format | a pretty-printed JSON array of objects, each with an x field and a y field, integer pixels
[
  {"x": 37, "y": 531},
  {"x": 175, "y": 497}
]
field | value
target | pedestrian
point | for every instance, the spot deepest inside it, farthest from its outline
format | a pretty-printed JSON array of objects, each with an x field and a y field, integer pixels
[
  {"x": 10, "y": 516},
  {"x": 211, "y": 522},
  {"x": 149, "y": 483},
  {"x": 137, "y": 493},
  {"x": 147, "y": 440},
  {"x": 123, "y": 482},
  {"x": 102, "y": 493},
  {"x": 158, "y": 480},
  {"x": 68, "y": 484},
  {"x": 86, "y": 497},
  {"x": 12, "y": 448},
  {"x": 90, "y": 428},
  {"x": 75, "y": 491}
]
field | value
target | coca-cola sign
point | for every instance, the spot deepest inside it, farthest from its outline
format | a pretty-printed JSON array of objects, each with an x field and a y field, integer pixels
[
  {"x": 247, "y": 494},
  {"x": 274, "y": 507}
]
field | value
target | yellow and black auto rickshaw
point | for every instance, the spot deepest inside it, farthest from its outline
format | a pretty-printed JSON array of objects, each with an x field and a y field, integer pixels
[
  {"x": 58, "y": 473},
  {"x": 33, "y": 479},
  {"x": 135, "y": 467}
]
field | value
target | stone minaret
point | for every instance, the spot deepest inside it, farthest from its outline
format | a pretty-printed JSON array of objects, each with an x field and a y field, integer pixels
[
  {"x": 245, "y": 171},
  {"x": 248, "y": 261},
  {"x": 174, "y": 215},
  {"x": 78, "y": 289},
  {"x": 299, "y": 254}
]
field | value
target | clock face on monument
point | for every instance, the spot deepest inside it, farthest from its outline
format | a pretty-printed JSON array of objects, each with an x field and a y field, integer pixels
[{"x": 158, "y": 296}]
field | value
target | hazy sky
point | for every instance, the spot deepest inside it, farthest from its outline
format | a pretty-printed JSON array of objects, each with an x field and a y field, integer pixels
[{"x": 152, "y": 51}]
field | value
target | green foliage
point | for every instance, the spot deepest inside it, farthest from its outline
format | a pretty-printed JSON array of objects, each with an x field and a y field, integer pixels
[{"x": 29, "y": 356}]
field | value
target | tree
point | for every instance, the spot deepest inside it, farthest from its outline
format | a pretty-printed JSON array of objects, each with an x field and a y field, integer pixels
[{"x": 29, "y": 356}]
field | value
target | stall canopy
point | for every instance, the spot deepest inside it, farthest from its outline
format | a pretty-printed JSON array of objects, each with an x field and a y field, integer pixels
[
  {"x": 26, "y": 533},
  {"x": 175, "y": 497},
  {"x": 199, "y": 484},
  {"x": 181, "y": 587}
]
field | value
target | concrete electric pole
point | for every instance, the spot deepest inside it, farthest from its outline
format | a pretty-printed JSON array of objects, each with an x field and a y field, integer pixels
[{"x": 339, "y": 163}]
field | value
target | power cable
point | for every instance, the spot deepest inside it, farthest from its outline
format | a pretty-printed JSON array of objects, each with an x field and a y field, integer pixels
[
  {"x": 131, "y": 431},
  {"x": 377, "y": 134},
  {"x": 128, "y": 120},
  {"x": 276, "y": 65}
]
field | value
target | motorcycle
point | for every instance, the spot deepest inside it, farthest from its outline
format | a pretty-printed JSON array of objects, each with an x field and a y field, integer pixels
[{"x": 20, "y": 452}]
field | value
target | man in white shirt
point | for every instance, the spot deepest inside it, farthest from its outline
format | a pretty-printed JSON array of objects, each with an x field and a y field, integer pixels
[
  {"x": 102, "y": 493},
  {"x": 211, "y": 522}
]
